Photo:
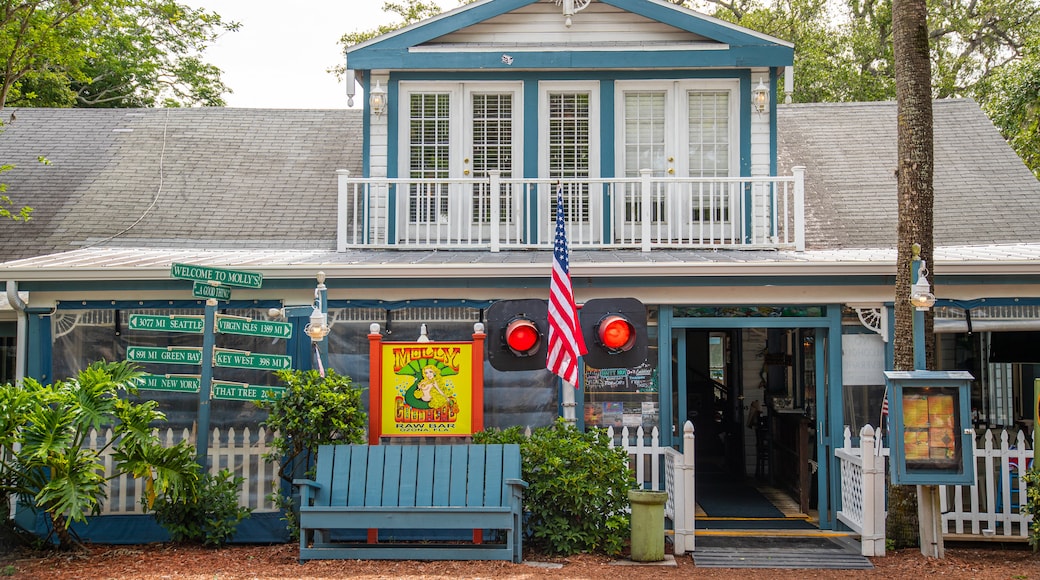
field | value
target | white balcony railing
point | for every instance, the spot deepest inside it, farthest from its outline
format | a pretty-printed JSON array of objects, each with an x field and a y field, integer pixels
[{"x": 642, "y": 213}]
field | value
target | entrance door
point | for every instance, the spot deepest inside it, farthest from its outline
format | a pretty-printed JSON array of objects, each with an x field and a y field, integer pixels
[
  {"x": 460, "y": 131},
  {"x": 679, "y": 129},
  {"x": 713, "y": 398}
]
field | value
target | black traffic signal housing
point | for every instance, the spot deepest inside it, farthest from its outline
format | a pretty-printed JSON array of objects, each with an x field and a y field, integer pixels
[
  {"x": 517, "y": 333},
  {"x": 615, "y": 332}
]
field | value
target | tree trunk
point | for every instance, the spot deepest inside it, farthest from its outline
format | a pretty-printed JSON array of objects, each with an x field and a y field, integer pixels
[{"x": 914, "y": 178}]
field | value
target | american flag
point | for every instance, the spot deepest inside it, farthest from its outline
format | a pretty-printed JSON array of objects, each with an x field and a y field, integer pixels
[{"x": 566, "y": 343}]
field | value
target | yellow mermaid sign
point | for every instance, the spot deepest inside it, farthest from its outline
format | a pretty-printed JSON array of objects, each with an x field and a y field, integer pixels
[{"x": 427, "y": 389}]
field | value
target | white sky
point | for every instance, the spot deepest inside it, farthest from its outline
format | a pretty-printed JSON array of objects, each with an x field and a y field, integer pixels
[{"x": 279, "y": 57}]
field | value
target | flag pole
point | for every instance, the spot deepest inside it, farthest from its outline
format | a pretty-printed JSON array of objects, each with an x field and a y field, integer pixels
[{"x": 566, "y": 344}]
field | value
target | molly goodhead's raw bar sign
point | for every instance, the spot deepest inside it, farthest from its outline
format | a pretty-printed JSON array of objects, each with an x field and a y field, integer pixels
[{"x": 427, "y": 389}]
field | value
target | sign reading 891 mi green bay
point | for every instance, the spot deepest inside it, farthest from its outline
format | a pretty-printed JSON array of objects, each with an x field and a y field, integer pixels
[
  {"x": 221, "y": 275},
  {"x": 172, "y": 355}
]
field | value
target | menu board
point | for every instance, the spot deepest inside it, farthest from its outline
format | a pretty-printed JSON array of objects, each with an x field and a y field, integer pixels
[{"x": 930, "y": 427}]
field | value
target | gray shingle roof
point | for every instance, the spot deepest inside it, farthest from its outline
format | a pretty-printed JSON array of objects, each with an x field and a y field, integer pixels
[
  {"x": 984, "y": 194},
  {"x": 255, "y": 179},
  {"x": 230, "y": 178}
]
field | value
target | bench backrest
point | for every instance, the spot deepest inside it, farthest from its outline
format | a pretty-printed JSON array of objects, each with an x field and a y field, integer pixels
[{"x": 416, "y": 475}]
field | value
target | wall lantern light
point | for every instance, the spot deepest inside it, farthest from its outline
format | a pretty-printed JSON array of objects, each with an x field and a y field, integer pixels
[
  {"x": 318, "y": 325},
  {"x": 921, "y": 291},
  {"x": 760, "y": 97},
  {"x": 377, "y": 99}
]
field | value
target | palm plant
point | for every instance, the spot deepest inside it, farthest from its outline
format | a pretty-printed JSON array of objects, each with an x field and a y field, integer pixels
[{"x": 46, "y": 459}]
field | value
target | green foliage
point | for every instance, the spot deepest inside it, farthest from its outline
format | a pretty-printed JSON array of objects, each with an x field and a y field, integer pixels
[
  {"x": 108, "y": 53},
  {"x": 44, "y": 432},
  {"x": 211, "y": 517},
  {"x": 578, "y": 488},
  {"x": 1032, "y": 505},
  {"x": 410, "y": 11},
  {"x": 313, "y": 411}
]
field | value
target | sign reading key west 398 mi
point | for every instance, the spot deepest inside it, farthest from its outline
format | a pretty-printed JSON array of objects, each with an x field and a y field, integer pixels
[
  {"x": 209, "y": 274},
  {"x": 239, "y": 359}
]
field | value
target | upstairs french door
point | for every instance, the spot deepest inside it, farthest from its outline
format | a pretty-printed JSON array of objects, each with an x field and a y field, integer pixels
[
  {"x": 569, "y": 150},
  {"x": 679, "y": 129},
  {"x": 456, "y": 131}
]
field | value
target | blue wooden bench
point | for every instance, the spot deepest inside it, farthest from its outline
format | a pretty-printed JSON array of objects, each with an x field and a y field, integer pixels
[{"x": 408, "y": 488}]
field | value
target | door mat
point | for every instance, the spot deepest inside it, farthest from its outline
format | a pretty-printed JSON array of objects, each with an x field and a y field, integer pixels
[
  {"x": 830, "y": 553},
  {"x": 733, "y": 500}
]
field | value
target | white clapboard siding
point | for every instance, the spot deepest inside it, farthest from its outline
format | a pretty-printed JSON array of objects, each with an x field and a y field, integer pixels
[{"x": 543, "y": 23}]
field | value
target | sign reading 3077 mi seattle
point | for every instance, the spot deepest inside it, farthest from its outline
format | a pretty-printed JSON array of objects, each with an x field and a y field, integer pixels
[{"x": 220, "y": 275}]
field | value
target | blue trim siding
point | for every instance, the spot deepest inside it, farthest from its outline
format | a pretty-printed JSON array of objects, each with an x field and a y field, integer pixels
[
  {"x": 530, "y": 129},
  {"x": 38, "y": 362},
  {"x": 650, "y": 59}
]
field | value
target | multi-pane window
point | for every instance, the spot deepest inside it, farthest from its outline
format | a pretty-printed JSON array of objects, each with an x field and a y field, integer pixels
[
  {"x": 709, "y": 152},
  {"x": 492, "y": 144},
  {"x": 429, "y": 126},
  {"x": 569, "y": 150},
  {"x": 644, "y": 145}
]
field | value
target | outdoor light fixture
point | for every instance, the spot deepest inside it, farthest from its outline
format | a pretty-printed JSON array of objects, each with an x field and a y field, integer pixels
[
  {"x": 921, "y": 292},
  {"x": 760, "y": 97},
  {"x": 318, "y": 326},
  {"x": 377, "y": 99},
  {"x": 570, "y": 7}
]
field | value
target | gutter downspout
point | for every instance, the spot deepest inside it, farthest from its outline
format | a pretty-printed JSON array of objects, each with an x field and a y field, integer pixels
[{"x": 21, "y": 344}]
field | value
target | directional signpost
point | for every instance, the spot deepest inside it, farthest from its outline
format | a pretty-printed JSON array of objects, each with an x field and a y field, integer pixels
[
  {"x": 240, "y": 359},
  {"x": 204, "y": 290},
  {"x": 171, "y": 323},
  {"x": 175, "y": 383},
  {"x": 219, "y": 275},
  {"x": 245, "y": 326},
  {"x": 231, "y": 391},
  {"x": 171, "y": 355},
  {"x": 213, "y": 285}
]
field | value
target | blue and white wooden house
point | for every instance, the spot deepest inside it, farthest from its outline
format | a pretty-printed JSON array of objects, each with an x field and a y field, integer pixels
[{"x": 768, "y": 286}]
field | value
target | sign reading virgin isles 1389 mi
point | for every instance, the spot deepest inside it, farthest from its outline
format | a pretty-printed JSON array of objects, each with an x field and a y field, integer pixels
[
  {"x": 221, "y": 275},
  {"x": 427, "y": 389}
]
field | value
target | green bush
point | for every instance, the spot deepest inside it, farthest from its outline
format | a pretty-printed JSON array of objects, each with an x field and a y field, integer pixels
[
  {"x": 1032, "y": 505},
  {"x": 577, "y": 497},
  {"x": 314, "y": 411},
  {"x": 44, "y": 457},
  {"x": 211, "y": 518}
]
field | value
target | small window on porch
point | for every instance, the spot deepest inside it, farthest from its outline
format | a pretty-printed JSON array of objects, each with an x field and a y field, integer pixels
[
  {"x": 569, "y": 150},
  {"x": 430, "y": 138}
]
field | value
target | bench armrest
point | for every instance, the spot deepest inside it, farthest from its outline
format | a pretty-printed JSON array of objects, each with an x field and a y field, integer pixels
[
  {"x": 516, "y": 482},
  {"x": 307, "y": 489}
]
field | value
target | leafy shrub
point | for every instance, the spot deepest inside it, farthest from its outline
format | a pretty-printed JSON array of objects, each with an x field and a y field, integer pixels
[
  {"x": 1032, "y": 505},
  {"x": 314, "y": 411},
  {"x": 210, "y": 518},
  {"x": 577, "y": 495},
  {"x": 43, "y": 436}
]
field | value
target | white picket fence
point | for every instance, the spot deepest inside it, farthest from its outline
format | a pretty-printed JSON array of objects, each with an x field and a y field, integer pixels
[
  {"x": 990, "y": 508},
  {"x": 678, "y": 477},
  {"x": 993, "y": 506},
  {"x": 863, "y": 490},
  {"x": 239, "y": 451}
]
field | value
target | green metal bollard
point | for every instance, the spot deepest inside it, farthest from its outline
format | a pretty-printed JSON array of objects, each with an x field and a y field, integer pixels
[{"x": 647, "y": 524}]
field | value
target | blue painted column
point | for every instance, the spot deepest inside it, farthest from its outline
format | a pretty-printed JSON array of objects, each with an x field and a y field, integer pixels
[
  {"x": 209, "y": 331},
  {"x": 918, "y": 321}
]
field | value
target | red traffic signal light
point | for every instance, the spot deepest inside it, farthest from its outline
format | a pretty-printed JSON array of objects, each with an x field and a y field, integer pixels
[
  {"x": 615, "y": 332},
  {"x": 516, "y": 334},
  {"x": 522, "y": 336}
]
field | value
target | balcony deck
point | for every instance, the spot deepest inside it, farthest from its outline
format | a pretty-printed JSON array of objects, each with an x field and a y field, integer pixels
[{"x": 500, "y": 213}]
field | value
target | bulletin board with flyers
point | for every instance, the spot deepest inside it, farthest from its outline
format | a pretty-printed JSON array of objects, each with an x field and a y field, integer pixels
[{"x": 930, "y": 432}]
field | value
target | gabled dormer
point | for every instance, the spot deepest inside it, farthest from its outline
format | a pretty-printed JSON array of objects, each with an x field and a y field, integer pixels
[{"x": 644, "y": 113}]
